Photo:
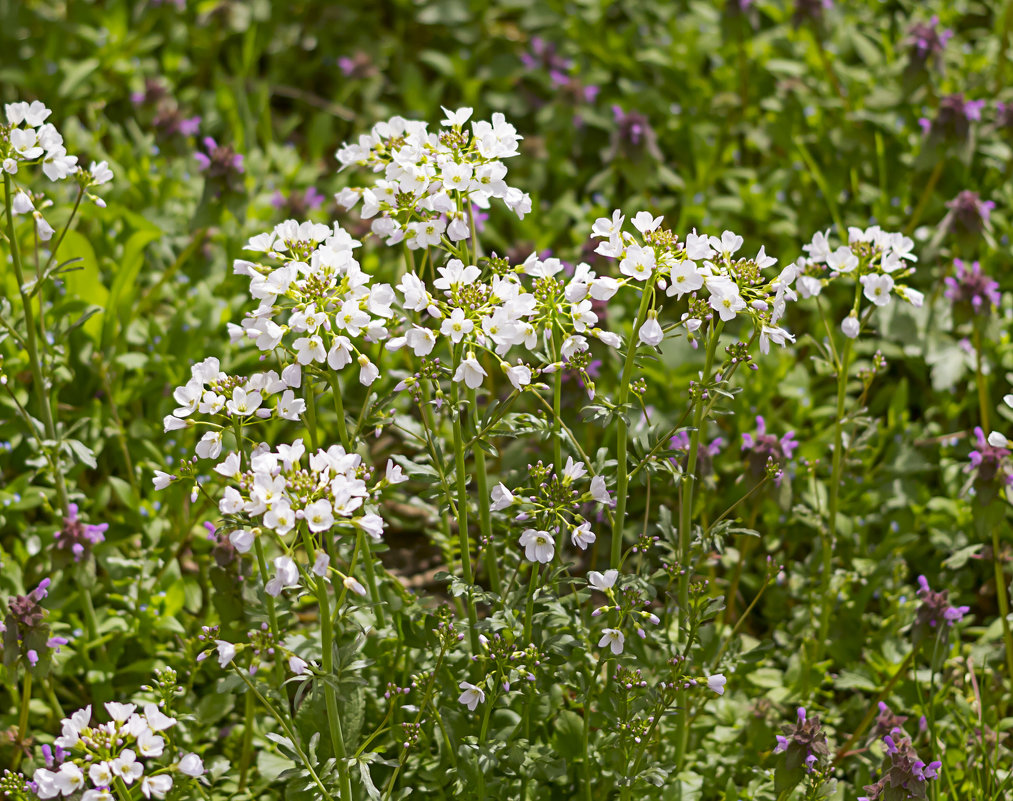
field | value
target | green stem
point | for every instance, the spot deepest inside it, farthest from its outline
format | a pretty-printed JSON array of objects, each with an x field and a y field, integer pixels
[
  {"x": 272, "y": 615},
  {"x": 463, "y": 538},
  {"x": 622, "y": 468},
  {"x": 484, "y": 517},
  {"x": 26, "y": 699},
  {"x": 327, "y": 666},
  {"x": 1003, "y": 599},
  {"x": 246, "y": 754},
  {"x": 364, "y": 544},
  {"x": 529, "y": 607},
  {"x": 923, "y": 201},
  {"x": 979, "y": 380},
  {"x": 38, "y": 382},
  {"x": 689, "y": 478},
  {"x": 557, "y": 435},
  {"x": 830, "y": 536},
  {"x": 339, "y": 409},
  {"x": 291, "y": 736}
]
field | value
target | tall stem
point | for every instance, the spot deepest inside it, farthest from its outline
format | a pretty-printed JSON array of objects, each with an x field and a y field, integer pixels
[
  {"x": 830, "y": 537},
  {"x": 463, "y": 538},
  {"x": 484, "y": 516},
  {"x": 557, "y": 433},
  {"x": 979, "y": 379},
  {"x": 1003, "y": 599},
  {"x": 622, "y": 468},
  {"x": 327, "y": 665},
  {"x": 689, "y": 477},
  {"x": 38, "y": 381}
]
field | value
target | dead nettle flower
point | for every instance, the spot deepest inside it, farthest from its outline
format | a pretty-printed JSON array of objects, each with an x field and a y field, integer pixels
[
  {"x": 905, "y": 776},
  {"x": 298, "y": 204},
  {"x": 679, "y": 443},
  {"x": 990, "y": 460},
  {"x": 223, "y": 165},
  {"x": 807, "y": 11},
  {"x": 1004, "y": 117},
  {"x": 953, "y": 119},
  {"x": 25, "y": 633},
  {"x": 935, "y": 613},
  {"x": 971, "y": 290},
  {"x": 925, "y": 43},
  {"x": 760, "y": 448},
  {"x": 358, "y": 66},
  {"x": 969, "y": 212},
  {"x": 78, "y": 537},
  {"x": 633, "y": 137},
  {"x": 886, "y": 722},
  {"x": 803, "y": 743}
]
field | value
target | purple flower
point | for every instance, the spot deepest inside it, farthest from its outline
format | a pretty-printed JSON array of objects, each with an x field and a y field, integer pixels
[
  {"x": 904, "y": 775},
  {"x": 972, "y": 288},
  {"x": 953, "y": 118},
  {"x": 762, "y": 447},
  {"x": 78, "y": 537},
  {"x": 926, "y": 42},
  {"x": 935, "y": 608},
  {"x": 298, "y": 204},
  {"x": 970, "y": 211},
  {"x": 223, "y": 165},
  {"x": 990, "y": 463}
]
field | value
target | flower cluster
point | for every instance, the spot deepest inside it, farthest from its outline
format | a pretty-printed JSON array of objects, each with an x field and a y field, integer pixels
[
  {"x": 876, "y": 259},
  {"x": 317, "y": 293},
  {"x": 935, "y": 609},
  {"x": 803, "y": 743},
  {"x": 971, "y": 290},
  {"x": 93, "y": 758},
  {"x": 761, "y": 448},
  {"x": 25, "y": 633},
  {"x": 702, "y": 263},
  {"x": 551, "y": 505},
  {"x": 904, "y": 774},
  {"x": 430, "y": 180},
  {"x": 26, "y": 138},
  {"x": 79, "y": 537}
]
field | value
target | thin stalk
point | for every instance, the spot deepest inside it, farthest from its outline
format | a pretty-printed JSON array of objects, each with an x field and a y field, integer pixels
[
  {"x": 923, "y": 201},
  {"x": 291, "y": 736},
  {"x": 463, "y": 538},
  {"x": 246, "y": 754},
  {"x": 1003, "y": 599},
  {"x": 327, "y": 666},
  {"x": 38, "y": 382},
  {"x": 980, "y": 381},
  {"x": 529, "y": 606},
  {"x": 557, "y": 435},
  {"x": 272, "y": 615},
  {"x": 484, "y": 516},
  {"x": 830, "y": 536},
  {"x": 689, "y": 478},
  {"x": 364, "y": 544},
  {"x": 622, "y": 468},
  {"x": 26, "y": 699}
]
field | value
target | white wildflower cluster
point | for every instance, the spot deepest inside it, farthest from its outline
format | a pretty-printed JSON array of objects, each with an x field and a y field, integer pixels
[
  {"x": 878, "y": 260},
  {"x": 224, "y": 399},
  {"x": 315, "y": 300},
  {"x": 431, "y": 180},
  {"x": 533, "y": 307},
  {"x": 552, "y": 505},
  {"x": 626, "y": 606},
  {"x": 27, "y": 139},
  {"x": 91, "y": 758},
  {"x": 331, "y": 490},
  {"x": 701, "y": 264}
]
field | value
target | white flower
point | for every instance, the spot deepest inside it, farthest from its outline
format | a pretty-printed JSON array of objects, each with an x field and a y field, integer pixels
[
  {"x": 395, "y": 475},
  {"x": 354, "y": 586},
  {"x": 501, "y": 497},
  {"x": 602, "y": 581},
  {"x": 472, "y": 695},
  {"x": 599, "y": 491},
  {"x": 644, "y": 222},
  {"x": 69, "y": 779},
  {"x": 651, "y": 332},
  {"x": 101, "y": 774},
  {"x": 226, "y": 653},
  {"x": 638, "y": 263},
  {"x": 685, "y": 277},
  {"x": 297, "y": 665},
  {"x": 244, "y": 403},
  {"x": 470, "y": 372},
  {"x": 319, "y": 515},
  {"x": 456, "y": 326},
  {"x": 582, "y": 536},
  {"x": 191, "y": 765},
  {"x": 120, "y": 712},
  {"x": 538, "y": 545},
  {"x": 100, "y": 173},
  {"x": 455, "y": 119},
  {"x": 777, "y": 335},
  {"x": 997, "y": 439},
  {"x": 728, "y": 244},
  {"x": 289, "y": 406},
  {"x": 519, "y": 375},
  {"x": 156, "y": 786},
  {"x": 613, "y": 638},
  {"x": 877, "y": 288},
  {"x": 286, "y": 574},
  {"x": 210, "y": 445},
  {"x": 22, "y": 204},
  {"x": 162, "y": 480},
  {"x": 242, "y": 540},
  {"x": 310, "y": 349},
  {"x": 127, "y": 767},
  {"x": 157, "y": 720},
  {"x": 717, "y": 683},
  {"x": 851, "y": 326},
  {"x": 368, "y": 372},
  {"x": 71, "y": 728}
]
